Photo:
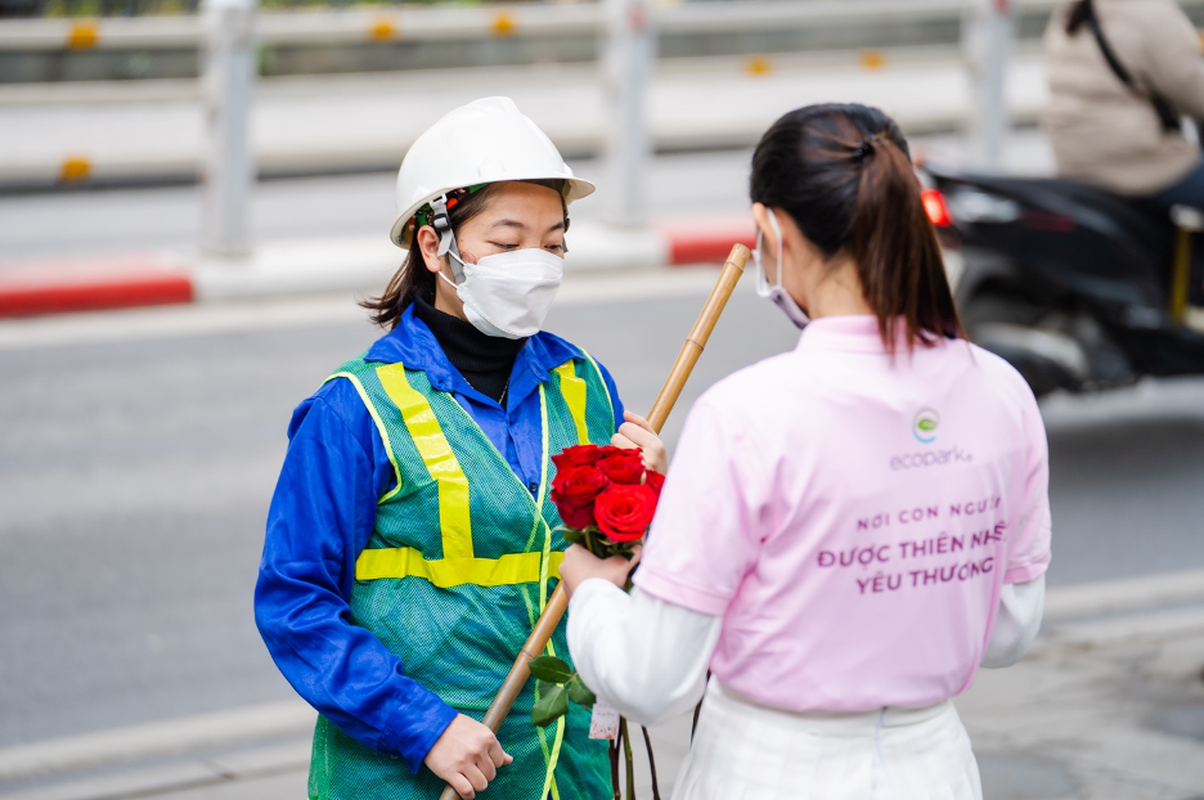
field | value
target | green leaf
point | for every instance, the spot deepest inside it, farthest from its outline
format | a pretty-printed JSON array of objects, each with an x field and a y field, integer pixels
[
  {"x": 553, "y": 704},
  {"x": 551, "y": 669},
  {"x": 927, "y": 424},
  {"x": 579, "y": 693},
  {"x": 573, "y": 536}
]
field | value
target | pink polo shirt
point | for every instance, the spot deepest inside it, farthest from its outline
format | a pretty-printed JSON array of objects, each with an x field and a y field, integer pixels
[{"x": 851, "y": 518}]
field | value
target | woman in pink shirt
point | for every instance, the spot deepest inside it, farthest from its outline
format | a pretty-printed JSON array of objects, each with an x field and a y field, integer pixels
[{"x": 849, "y": 529}]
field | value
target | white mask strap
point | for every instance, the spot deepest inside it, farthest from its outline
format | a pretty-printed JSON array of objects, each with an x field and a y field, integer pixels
[
  {"x": 446, "y": 279},
  {"x": 762, "y": 278},
  {"x": 777, "y": 234},
  {"x": 777, "y": 292}
]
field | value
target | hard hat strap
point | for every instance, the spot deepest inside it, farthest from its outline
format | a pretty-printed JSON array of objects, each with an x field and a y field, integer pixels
[
  {"x": 441, "y": 222},
  {"x": 447, "y": 237}
]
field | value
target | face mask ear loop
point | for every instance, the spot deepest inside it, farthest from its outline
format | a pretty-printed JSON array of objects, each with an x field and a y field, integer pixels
[
  {"x": 777, "y": 292},
  {"x": 777, "y": 234},
  {"x": 759, "y": 262}
]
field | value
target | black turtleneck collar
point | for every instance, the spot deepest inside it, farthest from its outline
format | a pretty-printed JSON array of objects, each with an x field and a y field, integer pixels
[{"x": 485, "y": 361}]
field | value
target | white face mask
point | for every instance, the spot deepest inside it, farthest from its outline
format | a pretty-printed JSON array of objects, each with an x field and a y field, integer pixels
[
  {"x": 780, "y": 297},
  {"x": 508, "y": 294}
]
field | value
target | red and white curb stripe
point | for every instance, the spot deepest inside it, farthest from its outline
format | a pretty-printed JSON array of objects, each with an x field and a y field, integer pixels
[
  {"x": 82, "y": 284},
  {"x": 49, "y": 286}
]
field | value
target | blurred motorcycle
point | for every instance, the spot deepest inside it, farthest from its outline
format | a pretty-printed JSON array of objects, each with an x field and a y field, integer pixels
[{"x": 1077, "y": 288}]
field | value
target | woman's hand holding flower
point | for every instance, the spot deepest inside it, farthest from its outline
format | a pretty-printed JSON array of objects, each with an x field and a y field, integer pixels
[
  {"x": 636, "y": 432},
  {"x": 580, "y": 564}
]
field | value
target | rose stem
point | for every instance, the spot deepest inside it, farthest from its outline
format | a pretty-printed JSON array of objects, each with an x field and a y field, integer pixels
[
  {"x": 630, "y": 760},
  {"x": 614, "y": 764},
  {"x": 656, "y": 791}
]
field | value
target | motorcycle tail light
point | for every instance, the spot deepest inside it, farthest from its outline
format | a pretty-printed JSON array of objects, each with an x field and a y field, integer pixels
[{"x": 934, "y": 204}]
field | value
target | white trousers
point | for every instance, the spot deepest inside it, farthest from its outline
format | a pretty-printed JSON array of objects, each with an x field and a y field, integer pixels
[{"x": 743, "y": 750}]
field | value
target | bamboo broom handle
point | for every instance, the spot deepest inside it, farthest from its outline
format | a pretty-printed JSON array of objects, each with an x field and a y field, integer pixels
[
  {"x": 696, "y": 342},
  {"x": 733, "y": 268}
]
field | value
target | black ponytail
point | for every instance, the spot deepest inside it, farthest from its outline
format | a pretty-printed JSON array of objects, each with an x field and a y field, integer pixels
[{"x": 843, "y": 173}]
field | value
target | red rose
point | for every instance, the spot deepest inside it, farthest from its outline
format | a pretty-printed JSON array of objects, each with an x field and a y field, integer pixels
[
  {"x": 574, "y": 490},
  {"x": 624, "y": 512},
  {"x": 624, "y": 466},
  {"x": 655, "y": 481},
  {"x": 578, "y": 455}
]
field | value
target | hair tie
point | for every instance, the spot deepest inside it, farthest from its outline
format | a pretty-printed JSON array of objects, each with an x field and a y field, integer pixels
[{"x": 865, "y": 149}]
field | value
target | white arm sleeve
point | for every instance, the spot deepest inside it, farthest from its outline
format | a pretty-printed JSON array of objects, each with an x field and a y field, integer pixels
[
  {"x": 1016, "y": 622},
  {"x": 643, "y": 656}
]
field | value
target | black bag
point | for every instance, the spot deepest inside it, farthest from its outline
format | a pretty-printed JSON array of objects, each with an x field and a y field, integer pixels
[{"x": 1084, "y": 12}]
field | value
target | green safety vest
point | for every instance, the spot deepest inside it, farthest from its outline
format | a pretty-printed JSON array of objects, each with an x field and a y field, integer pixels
[{"x": 457, "y": 570}]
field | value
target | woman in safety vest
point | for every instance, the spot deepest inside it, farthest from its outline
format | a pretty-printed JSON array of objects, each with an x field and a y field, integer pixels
[
  {"x": 411, "y": 542},
  {"x": 848, "y": 530}
]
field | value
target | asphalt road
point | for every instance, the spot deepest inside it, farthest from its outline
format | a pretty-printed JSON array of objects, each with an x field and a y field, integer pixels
[{"x": 135, "y": 477}]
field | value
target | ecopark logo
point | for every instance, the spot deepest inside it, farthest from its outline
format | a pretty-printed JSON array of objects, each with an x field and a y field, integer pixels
[{"x": 924, "y": 425}]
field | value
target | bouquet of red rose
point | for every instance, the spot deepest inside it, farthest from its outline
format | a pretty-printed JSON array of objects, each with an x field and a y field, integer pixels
[{"x": 606, "y": 498}]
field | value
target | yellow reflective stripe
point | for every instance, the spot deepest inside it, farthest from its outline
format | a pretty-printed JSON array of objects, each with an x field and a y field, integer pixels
[
  {"x": 605, "y": 390},
  {"x": 572, "y": 389},
  {"x": 548, "y": 558},
  {"x": 380, "y": 426},
  {"x": 454, "y": 514},
  {"x": 546, "y": 552},
  {"x": 407, "y": 562},
  {"x": 549, "y": 780}
]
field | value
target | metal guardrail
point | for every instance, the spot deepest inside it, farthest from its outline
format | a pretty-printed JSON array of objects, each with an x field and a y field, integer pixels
[
  {"x": 442, "y": 23},
  {"x": 231, "y": 34}
]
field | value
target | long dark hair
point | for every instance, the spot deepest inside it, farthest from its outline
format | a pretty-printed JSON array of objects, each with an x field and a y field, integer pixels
[
  {"x": 413, "y": 279},
  {"x": 843, "y": 173}
]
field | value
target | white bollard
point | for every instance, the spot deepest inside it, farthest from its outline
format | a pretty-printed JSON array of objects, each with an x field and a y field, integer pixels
[
  {"x": 629, "y": 51},
  {"x": 987, "y": 33},
  {"x": 228, "y": 169}
]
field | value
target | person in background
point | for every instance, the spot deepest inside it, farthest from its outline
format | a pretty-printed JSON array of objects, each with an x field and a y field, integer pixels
[
  {"x": 1125, "y": 135},
  {"x": 411, "y": 543},
  {"x": 848, "y": 530}
]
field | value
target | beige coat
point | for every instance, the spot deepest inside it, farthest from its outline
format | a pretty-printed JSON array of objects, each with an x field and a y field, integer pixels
[{"x": 1101, "y": 132}]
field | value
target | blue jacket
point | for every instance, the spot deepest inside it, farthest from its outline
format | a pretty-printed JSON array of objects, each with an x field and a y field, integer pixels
[{"x": 323, "y": 512}]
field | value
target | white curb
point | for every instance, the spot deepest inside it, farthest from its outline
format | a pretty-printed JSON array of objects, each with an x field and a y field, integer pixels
[{"x": 156, "y": 739}]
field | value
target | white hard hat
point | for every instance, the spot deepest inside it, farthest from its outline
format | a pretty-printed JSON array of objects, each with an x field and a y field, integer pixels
[{"x": 486, "y": 141}]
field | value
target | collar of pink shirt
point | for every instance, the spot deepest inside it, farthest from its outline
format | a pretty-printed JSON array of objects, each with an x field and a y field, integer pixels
[{"x": 852, "y": 332}]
